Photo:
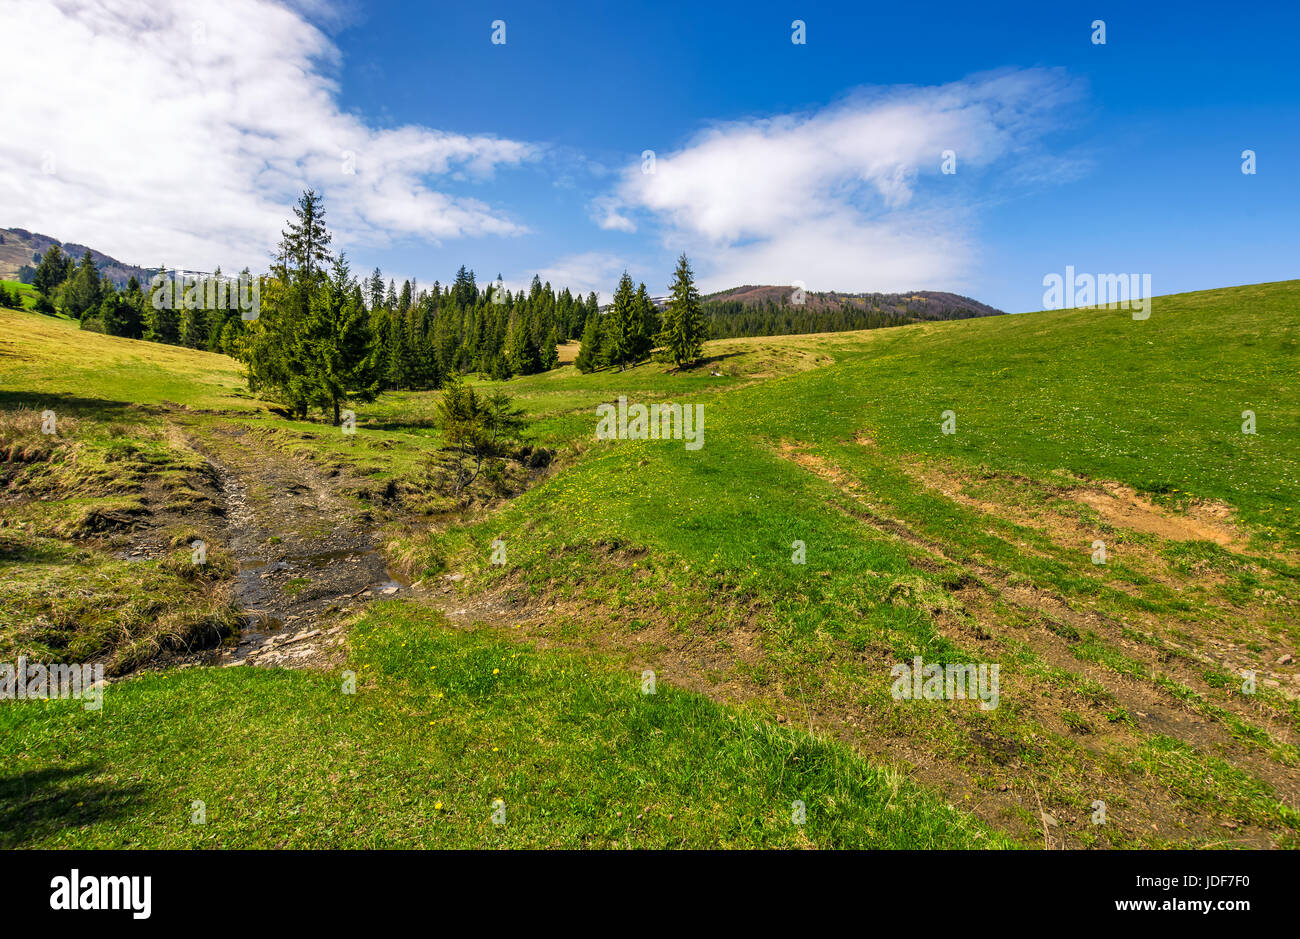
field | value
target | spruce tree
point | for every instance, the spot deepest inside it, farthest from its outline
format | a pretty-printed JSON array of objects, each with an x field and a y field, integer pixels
[
  {"x": 397, "y": 362},
  {"x": 84, "y": 294},
  {"x": 647, "y": 325},
  {"x": 682, "y": 335},
  {"x": 520, "y": 351},
  {"x": 276, "y": 348},
  {"x": 194, "y": 318},
  {"x": 119, "y": 315},
  {"x": 622, "y": 325},
  {"x": 550, "y": 353},
  {"x": 50, "y": 272},
  {"x": 304, "y": 245},
  {"x": 336, "y": 343},
  {"x": 162, "y": 325},
  {"x": 591, "y": 353}
]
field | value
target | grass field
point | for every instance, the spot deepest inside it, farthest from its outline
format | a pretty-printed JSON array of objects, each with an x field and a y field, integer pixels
[
  {"x": 1120, "y": 682},
  {"x": 26, "y": 291},
  {"x": 442, "y": 725}
]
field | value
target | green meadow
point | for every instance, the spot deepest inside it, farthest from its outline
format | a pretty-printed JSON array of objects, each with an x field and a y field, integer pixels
[{"x": 828, "y": 529}]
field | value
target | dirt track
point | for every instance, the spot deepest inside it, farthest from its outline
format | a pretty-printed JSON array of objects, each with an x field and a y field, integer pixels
[{"x": 305, "y": 552}]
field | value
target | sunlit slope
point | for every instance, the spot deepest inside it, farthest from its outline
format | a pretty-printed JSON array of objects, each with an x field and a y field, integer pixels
[
  {"x": 43, "y": 358},
  {"x": 1156, "y": 403},
  {"x": 1071, "y": 428}
]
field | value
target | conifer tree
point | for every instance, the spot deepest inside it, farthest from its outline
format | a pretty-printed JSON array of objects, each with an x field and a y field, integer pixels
[
  {"x": 682, "y": 334},
  {"x": 161, "y": 321},
  {"x": 549, "y": 352},
  {"x": 275, "y": 350},
  {"x": 304, "y": 245},
  {"x": 622, "y": 325},
  {"x": 520, "y": 350},
  {"x": 647, "y": 325},
  {"x": 336, "y": 343},
  {"x": 591, "y": 354},
  {"x": 84, "y": 293},
  {"x": 50, "y": 272},
  {"x": 375, "y": 286}
]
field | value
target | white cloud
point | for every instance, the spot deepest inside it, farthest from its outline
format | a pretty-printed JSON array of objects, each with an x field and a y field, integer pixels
[
  {"x": 605, "y": 213},
  {"x": 850, "y": 197},
  {"x": 180, "y": 131}
]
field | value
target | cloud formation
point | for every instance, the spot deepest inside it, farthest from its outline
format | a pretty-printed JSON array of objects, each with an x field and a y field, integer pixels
[
  {"x": 849, "y": 197},
  {"x": 180, "y": 131}
]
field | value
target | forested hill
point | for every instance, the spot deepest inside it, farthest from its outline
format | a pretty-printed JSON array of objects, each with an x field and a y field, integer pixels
[
  {"x": 21, "y": 252},
  {"x": 779, "y": 311}
]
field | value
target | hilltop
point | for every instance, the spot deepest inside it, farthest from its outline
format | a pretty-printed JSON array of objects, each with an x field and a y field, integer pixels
[
  {"x": 781, "y": 311},
  {"x": 20, "y": 249},
  {"x": 916, "y": 304}
]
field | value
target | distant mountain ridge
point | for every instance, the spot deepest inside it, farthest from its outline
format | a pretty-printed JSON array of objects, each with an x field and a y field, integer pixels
[
  {"x": 20, "y": 248},
  {"x": 20, "y": 252},
  {"x": 917, "y": 304}
]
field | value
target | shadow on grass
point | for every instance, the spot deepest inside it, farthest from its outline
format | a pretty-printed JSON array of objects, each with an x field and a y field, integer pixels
[
  {"x": 72, "y": 405},
  {"x": 414, "y": 423},
  {"x": 712, "y": 360},
  {"x": 42, "y": 802}
]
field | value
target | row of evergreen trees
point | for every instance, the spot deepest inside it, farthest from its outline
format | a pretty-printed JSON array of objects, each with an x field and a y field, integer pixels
[
  {"x": 416, "y": 338},
  {"x": 11, "y": 299},
  {"x": 423, "y": 337},
  {"x": 731, "y": 318},
  {"x": 632, "y": 328},
  {"x": 80, "y": 291},
  {"x": 322, "y": 338}
]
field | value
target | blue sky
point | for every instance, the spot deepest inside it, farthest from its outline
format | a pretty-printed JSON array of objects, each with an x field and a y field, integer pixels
[{"x": 775, "y": 162}]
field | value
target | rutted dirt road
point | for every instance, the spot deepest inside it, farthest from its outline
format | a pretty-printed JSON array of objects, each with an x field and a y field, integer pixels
[{"x": 305, "y": 553}]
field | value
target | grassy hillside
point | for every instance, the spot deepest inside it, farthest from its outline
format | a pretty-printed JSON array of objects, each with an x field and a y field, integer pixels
[
  {"x": 26, "y": 291},
  {"x": 443, "y": 724},
  {"x": 1120, "y": 681},
  {"x": 48, "y": 359}
]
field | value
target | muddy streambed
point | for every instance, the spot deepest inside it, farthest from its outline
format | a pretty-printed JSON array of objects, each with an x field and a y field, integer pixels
[{"x": 302, "y": 553}]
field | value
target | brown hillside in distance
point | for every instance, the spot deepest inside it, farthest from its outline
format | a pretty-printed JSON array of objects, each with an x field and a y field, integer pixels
[{"x": 921, "y": 304}]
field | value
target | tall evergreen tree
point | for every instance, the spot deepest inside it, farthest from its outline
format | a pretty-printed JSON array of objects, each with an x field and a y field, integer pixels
[
  {"x": 647, "y": 325},
  {"x": 521, "y": 351},
  {"x": 83, "y": 293},
  {"x": 336, "y": 343},
  {"x": 464, "y": 292},
  {"x": 549, "y": 352},
  {"x": 682, "y": 334},
  {"x": 278, "y": 357},
  {"x": 375, "y": 287},
  {"x": 120, "y": 315},
  {"x": 50, "y": 272},
  {"x": 304, "y": 245},
  {"x": 194, "y": 316},
  {"x": 592, "y": 353},
  {"x": 622, "y": 325}
]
